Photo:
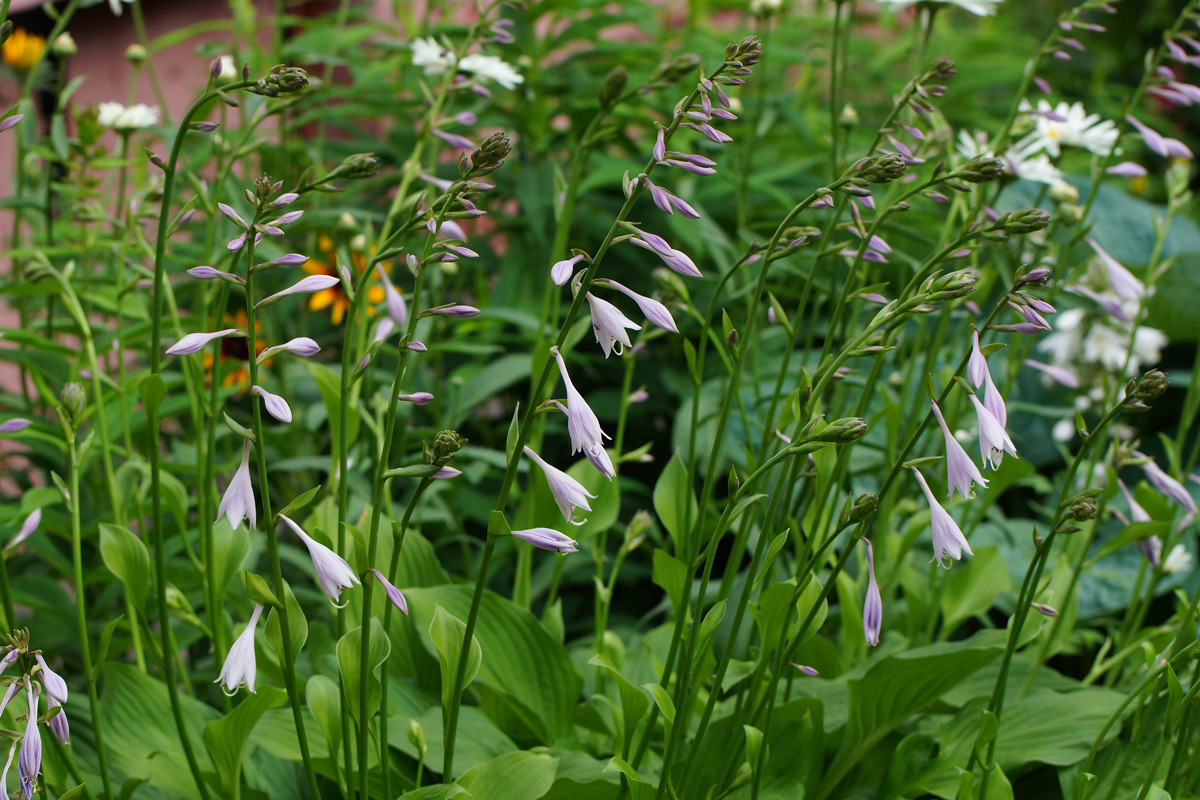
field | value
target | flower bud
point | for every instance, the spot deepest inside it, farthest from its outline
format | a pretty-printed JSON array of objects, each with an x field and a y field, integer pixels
[
  {"x": 73, "y": 399},
  {"x": 1151, "y": 385},
  {"x": 941, "y": 68},
  {"x": 280, "y": 81},
  {"x": 1035, "y": 278},
  {"x": 64, "y": 46},
  {"x": 359, "y": 165},
  {"x": 950, "y": 286},
  {"x": 674, "y": 70},
  {"x": 1083, "y": 508},
  {"x": 982, "y": 169},
  {"x": 1027, "y": 220},
  {"x": 1063, "y": 192},
  {"x": 490, "y": 155},
  {"x": 1044, "y": 609},
  {"x": 879, "y": 169},
  {"x": 864, "y": 506},
  {"x": 613, "y": 86},
  {"x": 446, "y": 444},
  {"x": 416, "y": 736},
  {"x": 843, "y": 431},
  {"x": 135, "y": 54},
  {"x": 849, "y": 117}
]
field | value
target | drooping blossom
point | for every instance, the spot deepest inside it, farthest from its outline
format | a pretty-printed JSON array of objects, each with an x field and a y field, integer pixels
[
  {"x": 873, "y": 602},
  {"x": 238, "y": 501},
  {"x": 394, "y": 594},
  {"x": 29, "y": 760},
  {"x": 27, "y": 528},
  {"x": 56, "y": 687},
  {"x": 993, "y": 440},
  {"x": 960, "y": 469},
  {"x": 310, "y": 284},
  {"x": 333, "y": 573},
  {"x": 1060, "y": 375},
  {"x": 948, "y": 539},
  {"x": 582, "y": 423},
  {"x": 977, "y": 366},
  {"x": 547, "y": 539},
  {"x": 239, "y": 667},
  {"x": 561, "y": 272},
  {"x": 300, "y": 346},
  {"x": 654, "y": 311},
  {"x": 1123, "y": 283},
  {"x": 610, "y": 325},
  {"x": 1167, "y": 485},
  {"x": 568, "y": 493}
]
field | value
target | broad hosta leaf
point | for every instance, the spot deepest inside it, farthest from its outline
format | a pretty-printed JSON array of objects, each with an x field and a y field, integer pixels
[
  {"x": 675, "y": 502},
  {"x": 226, "y": 737},
  {"x": 524, "y": 667},
  {"x": 447, "y": 633},
  {"x": 513, "y": 776},
  {"x": 126, "y": 556},
  {"x": 324, "y": 700},
  {"x": 349, "y": 656},
  {"x": 478, "y": 739},
  {"x": 971, "y": 587}
]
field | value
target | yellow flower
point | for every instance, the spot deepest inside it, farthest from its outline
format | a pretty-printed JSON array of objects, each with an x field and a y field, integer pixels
[
  {"x": 22, "y": 50},
  {"x": 334, "y": 298}
]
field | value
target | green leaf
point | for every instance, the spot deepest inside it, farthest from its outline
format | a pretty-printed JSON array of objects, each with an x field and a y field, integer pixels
[
  {"x": 126, "y": 556},
  {"x": 105, "y": 641},
  {"x": 633, "y": 702},
  {"x": 675, "y": 503},
  {"x": 662, "y": 699},
  {"x": 513, "y": 776},
  {"x": 1130, "y": 534},
  {"x": 971, "y": 587},
  {"x": 349, "y": 657},
  {"x": 297, "y": 626},
  {"x": 672, "y": 575},
  {"x": 447, "y": 633},
  {"x": 324, "y": 700},
  {"x": 152, "y": 390},
  {"x": 708, "y": 628},
  {"x": 230, "y": 549},
  {"x": 259, "y": 591},
  {"x": 298, "y": 502},
  {"x": 237, "y": 428},
  {"x": 754, "y": 744},
  {"x": 514, "y": 429},
  {"x": 71, "y": 794},
  {"x": 226, "y": 737},
  {"x": 639, "y": 789}
]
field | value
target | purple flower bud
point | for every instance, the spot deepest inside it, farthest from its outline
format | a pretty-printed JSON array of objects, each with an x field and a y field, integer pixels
[
  {"x": 654, "y": 311},
  {"x": 417, "y": 398},
  {"x": 1060, "y": 375},
  {"x": 208, "y": 273},
  {"x": 204, "y": 127},
  {"x": 1042, "y": 84},
  {"x": 660, "y": 145},
  {"x": 195, "y": 342},
  {"x": 14, "y": 425},
  {"x": 457, "y": 311},
  {"x": 652, "y": 241},
  {"x": 1127, "y": 169},
  {"x": 27, "y": 528},
  {"x": 285, "y": 199},
  {"x": 417, "y": 347},
  {"x": 1020, "y": 327},
  {"x": 454, "y": 140},
  {"x": 10, "y": 122},
  {"x": 1126, "y": 286},
  {"x": 58, "y": 723},
  {"x": 683, "y": 208},
  {"x": 289, "y": 260},
  {"x": 1044, "y": 609},
  {"x": 709, "y": 132},
  {"x": 237, "y": 503},
  {"x": 561, "y": 272},
  {"x": 308, "y": 285},
  {"x": 233, "y": 215},
  {"x": 277, "y": 407},
  {"x": 300, "y": 346},
  {"x": 805, "y": 669},
  {"x": 29, "y": 762},
  {"x": 873, "y": 603},
  {"x": 446, "y": 473},
  {"x": 56, "y": 687},
  {"x": 397, "y": 308},
  {"x": 393, "y": 593},
  {"x": 287, "y": 218},
  {"x": 547, "y": 539},
  {"x": 660, "y": 196}
]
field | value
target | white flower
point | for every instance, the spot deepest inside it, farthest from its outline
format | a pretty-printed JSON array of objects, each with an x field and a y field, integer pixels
[
  {"x": 568, "y": 493},
  {"x": 121, "y": 118},
  {"x": 610, "y": 325},
  {"x": 1023, "y": 160},
  {"x": 491, "y": 67},
  {"x": 239, "y": 667},
  {"x": 1178, "y": 560},
  {"x": 960, "y": 469},
  {"x": 56, "y": 687},
  {"x": 982, "y": 8},
  {"x": 993, "y": 440},
  {"x": 948, "y": 540},
  {"x": 1074, "y": 127},
  {"x": 333, "y": 573},
  {"x": 582, "y": 423},
  {"x": 431, "y": 56},
  {"x": 238, "y": 501}
]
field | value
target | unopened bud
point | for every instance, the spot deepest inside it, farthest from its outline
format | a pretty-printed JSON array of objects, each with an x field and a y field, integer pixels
[
  {"x": 864, "y": 506},
  {"x": 1151, "y": 385},
  {"x": 136, "y": 54},
  {"x": 1035, "y": 278},
  {"x": 73, "y": 399},
  {"x": 941, "y": 68},
  {"x": 849, "y": 117},
  {"x": 416, "y": 736},
  {"x": 613, "y": 86},
  {"x": 446, "y": 444},
  {"x": 1027, "y": 220},
  {"x": 490, "y": 155},
  {"x": 674, "y": 70},
  {"x": 359, "y": 165},
  {"x": 879, "y": 169},
  {"x": 1063, "y": 192},
  {"x": 1044, "y": 609},
  {"x": 1083, "y": 508},
  {"x": 6, "y": 30},
  {"x": 982, "y": 169},
  {"x": 64, "y": 46},
  {"x": 950, "y": 286},
  {"x": 844, "y": 430}
]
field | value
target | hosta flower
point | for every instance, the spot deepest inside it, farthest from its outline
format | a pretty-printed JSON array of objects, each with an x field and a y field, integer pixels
[
  {"x": 58, "y": 723},
  {"x": 14, "y": 425},
  {"x": 56, "y": 687},
  {"x": 948, "y": 539},
  {"x": 311, "y": 284},
  {"x": 982, "y": 8},
  {"x": 977, "y": 366},
  {"x": 335, "y": 298},
  {"x": 610, "y": 325},
  {"x": 27, "y": 528},
  {"x": 1069, "y": 125},
  {"x": 582, "y": 424},
  {"x": 333, "y": 573},
  {"x": 1060, "y": 375},
  {"x": 195, "y": 342},
  {"x": 548, "y": 539},
  {"x": 1167, "y": 485},
  {"x": 873, "y": 602},
  {"x": 491, "y": 68},
  {"x": 654, "y": 311},
  {"x": 993, "y": 440},
  {"x": 993, "y": 401},
  {"x": 561, "y": 272},
  {"x": 960, "y": 469},
  {"x": 568, "y": 493},
  {"x": 430, "y": 56},
  {"x": 238, "y": 501},
  {"x": 300, "y": 346},
  {"x": 29, "y": 760},
  {"x": 1123, "y": 283},
  {"x": 396, "y": 307},
  {"x": 1178, "y": 560},
  {"x": 277, "y": 407},
  {"x": 12, "y": 751},
  {"x": 393, "y": 593},
  {"x": 239, "y": 668}
]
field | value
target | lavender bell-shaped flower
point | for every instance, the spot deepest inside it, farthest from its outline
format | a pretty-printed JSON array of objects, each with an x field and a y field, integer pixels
[
  {"x": 561, "y": 272},
  {"x": 396, "y": 307},
  {"x": 610, "y": 325},
  {"x": 993, "y": 401},
  {"x": 1123, "y": 283},
  {"x": 195, "y": 342},
  {"x": 58, "y": 723},
  {"x": 654, "y": 311},
  {"x": 308, "y": 285},
  {"x": 29, "y": 760},
  {"x": 960, "y": 469},
  {"x": 993, "y": 440},
  {"x": 56, "y": 687},
  {"x": 568, "y": 493},
  {"x": 394, "y": 594},
  {"x": 582, "y": 423},
  {"x": 873, "y": 602},
  {"x": 333, "y": 573},
  {"x": 12, "y": 752},
  {"x": 238, "y": 501},
  {"x": 977, "y": 366},
  {"x": 300, "y": 346},
  {"x": 1060, "y": 375},
  {"x": 239, "y": 667},
  {"x": 948, "y": 539},
  {"x": 548, "y": 539},
  {"x": 1167, "y": 485}
]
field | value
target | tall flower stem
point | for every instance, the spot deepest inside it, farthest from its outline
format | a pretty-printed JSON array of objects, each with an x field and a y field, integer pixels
[
  {"x": 152, "y": 421},
  {"x": 81, "y": 613},
  {"x": 288, "y": 665}
]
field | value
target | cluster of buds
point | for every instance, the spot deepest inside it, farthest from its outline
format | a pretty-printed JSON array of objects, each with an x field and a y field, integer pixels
[
  {"x": 1149, "y": 387},
  {"x": 613, "y": 87},
  {"x": 864, "y": 507},
  {"x": 876, "y": 169},
  {"x": 36, "y": 679},
  {"x": 981, "y": 169},
  {"x": 487, "y": 158},
  {"x": 843, "y": 431},
  {"x": 1026, "y": 220},
  {"x": 930, "y": 84},
  {"x": 281, "y": 80},
  {"x": 1031, "y": 278},
  {"x": 1031, "y": 310},
  {"x": 939, "y": 288}
]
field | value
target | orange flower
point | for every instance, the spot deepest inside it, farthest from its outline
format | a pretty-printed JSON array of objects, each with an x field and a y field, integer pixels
[
  {"x": 237, "y": 348},
  {"x": 335, "y": 297},
  {"x": 22, "y": 49}
]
